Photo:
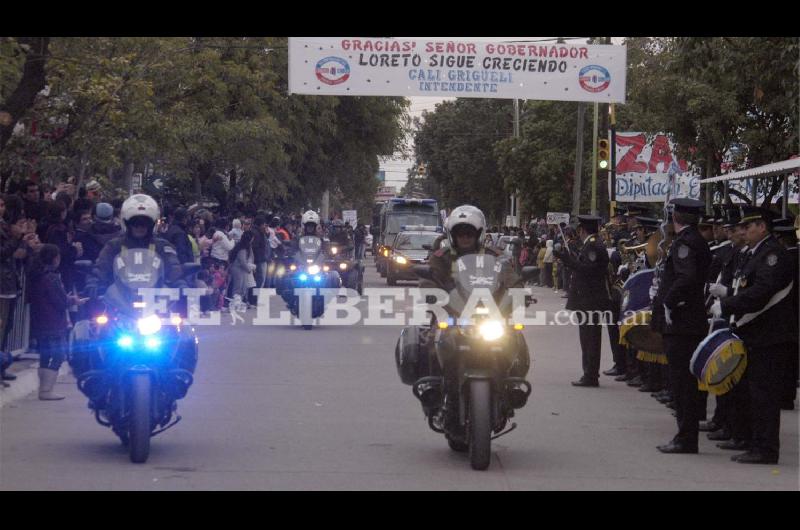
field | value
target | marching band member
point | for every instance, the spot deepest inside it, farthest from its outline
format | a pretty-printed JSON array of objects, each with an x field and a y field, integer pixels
[{"x": 760, "y": 308}]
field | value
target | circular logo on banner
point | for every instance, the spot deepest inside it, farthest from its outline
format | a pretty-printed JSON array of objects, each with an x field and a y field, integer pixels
[
  {"x": 594, "y": 78},
  {"x": 333, "y": 70}
]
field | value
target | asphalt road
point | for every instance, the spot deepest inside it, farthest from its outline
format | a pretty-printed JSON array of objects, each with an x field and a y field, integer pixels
[{"x": 282, "y": 408}]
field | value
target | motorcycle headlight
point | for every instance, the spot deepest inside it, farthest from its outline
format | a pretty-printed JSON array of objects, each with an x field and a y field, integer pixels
[
  {"x": 334, "y": 250},
  {"x": 313, "y": 269},
  {"x": 491, "y": 330},
  {"x": 149, "y": 325},
  {"x": 152, "y": 343},
  {"x": 292, "y": 268},
  {"x": 125, "y": 341},
  {"x": 401, "y": 260},
  {"x": 343, "y": 266}
]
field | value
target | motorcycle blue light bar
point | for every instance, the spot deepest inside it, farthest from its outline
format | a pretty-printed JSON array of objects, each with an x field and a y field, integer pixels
[
  {"x": 317, "y": 278},
  {"x": 303, "y": 277},
  {"x": 152, "y": 343}
]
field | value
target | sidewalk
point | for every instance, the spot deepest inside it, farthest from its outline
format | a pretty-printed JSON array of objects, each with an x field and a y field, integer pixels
[{"x": 27, "y": 378}]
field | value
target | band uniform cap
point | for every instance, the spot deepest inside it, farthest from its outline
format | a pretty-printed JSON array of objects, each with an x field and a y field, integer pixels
[
  {"x": 590, "y": 221},
  {"x": 707, "y": 220},
  {"x": 755, "y": 213},
  {"x": 731, "y": 216},
  {"x": 784, "y": 224},
  {"x": 634, "y": 210},
  {"x": 686, "y": 205},
  {"x": 649, "y": 223}
]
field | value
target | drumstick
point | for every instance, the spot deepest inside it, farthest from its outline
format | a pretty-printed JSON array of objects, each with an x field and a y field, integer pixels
[{"x": 564, "y": 239}]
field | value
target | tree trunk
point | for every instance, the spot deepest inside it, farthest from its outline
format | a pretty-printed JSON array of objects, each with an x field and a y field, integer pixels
[
  {"x": 128, "y": 175},
  {"x": 30, "y": 84}
]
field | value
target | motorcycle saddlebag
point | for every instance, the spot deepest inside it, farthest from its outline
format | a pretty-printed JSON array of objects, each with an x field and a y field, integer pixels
[{"x": 411, "y": 359}]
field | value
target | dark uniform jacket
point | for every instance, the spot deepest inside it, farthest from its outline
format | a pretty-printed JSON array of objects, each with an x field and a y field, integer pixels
[
  {"x": 588, "y": 288},
  {"x": 104, "y": 267},
  {"x": 682, "y": 284},
  {"x": 764, "y": 277},
  {"x": 720, "y": 255},
  {"x": 183, "y": 247}
]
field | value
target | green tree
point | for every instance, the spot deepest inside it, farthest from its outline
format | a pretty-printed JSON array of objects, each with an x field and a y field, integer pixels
[{"x": 457, "y": 144}]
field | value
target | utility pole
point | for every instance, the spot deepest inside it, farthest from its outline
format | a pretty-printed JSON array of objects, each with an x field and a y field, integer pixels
[
  {"x": 594, "y": 159},
  {"x": 613, "y": 169},
  {"x": 515, "y": 217}
]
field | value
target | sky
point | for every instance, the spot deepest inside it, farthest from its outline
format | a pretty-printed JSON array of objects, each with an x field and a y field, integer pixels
[{"x": 396, "y": 167}]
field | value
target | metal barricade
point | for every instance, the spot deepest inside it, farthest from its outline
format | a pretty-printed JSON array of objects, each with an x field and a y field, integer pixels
[{"x": 18, "y": 337}]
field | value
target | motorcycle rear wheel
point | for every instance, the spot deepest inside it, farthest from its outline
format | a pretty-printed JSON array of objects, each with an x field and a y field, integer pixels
[
  {"x": 140, "y": 428},
  {"x": 480, "y": 424}
]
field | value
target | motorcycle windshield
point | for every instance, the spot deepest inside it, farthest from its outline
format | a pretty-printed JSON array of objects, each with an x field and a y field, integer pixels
[
  {"x": 309, "y": 248},
  {"x": 477, "y": 277}
]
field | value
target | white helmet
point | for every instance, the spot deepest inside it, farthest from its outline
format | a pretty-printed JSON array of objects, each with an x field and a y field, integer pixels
[
  {"x": 310, "y": 217},
  {"x": 140, "y": 205},
  {"x": 468, "y": 215}
]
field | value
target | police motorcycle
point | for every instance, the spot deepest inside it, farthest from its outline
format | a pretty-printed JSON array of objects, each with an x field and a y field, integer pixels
[
  {"x": 308, "y": 270},
  {"x": 131, "y": 363},
  {"x": 476, "y": 356},
  {"x": 342, "y": 259}
]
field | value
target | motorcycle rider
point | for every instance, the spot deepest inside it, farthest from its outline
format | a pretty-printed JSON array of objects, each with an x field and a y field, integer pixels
[
  {"x": 466, "y": 234},
  {"x": 139, "y": 214}
]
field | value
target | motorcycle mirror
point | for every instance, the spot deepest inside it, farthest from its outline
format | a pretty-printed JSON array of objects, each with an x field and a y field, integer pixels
[{"x": 430, "y": 299}]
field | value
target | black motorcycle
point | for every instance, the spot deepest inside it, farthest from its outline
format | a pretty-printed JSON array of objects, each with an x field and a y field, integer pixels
[
  {"x": 308, "y": 271},
  {"x": 132, "y": 363},
  {"x": 469, "y": 374},
  {"x": 342, "y": 259}
]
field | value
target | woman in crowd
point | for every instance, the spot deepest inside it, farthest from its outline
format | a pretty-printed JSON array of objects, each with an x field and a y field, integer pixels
[{"x": 242, "y": 267}]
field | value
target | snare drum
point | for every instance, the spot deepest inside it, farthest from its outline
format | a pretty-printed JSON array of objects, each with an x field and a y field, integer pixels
[{"x": 636, "y": 312}]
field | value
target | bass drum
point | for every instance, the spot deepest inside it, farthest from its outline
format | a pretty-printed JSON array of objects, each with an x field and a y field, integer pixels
[{"x": 636, "y": 313}]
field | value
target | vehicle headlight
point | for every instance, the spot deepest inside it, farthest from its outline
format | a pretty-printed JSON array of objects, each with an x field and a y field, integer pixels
[
  {"x": 334, "y": 250},
  {"x": 292, "y": 268},
  {"x": 385, "y": 253},
  {"x": 491, "y": 330},
  {"x": 401, "y": 260},
  {"x": 149, "y": 325},
  {"x": 313, "y": 269},
  {"x": 343, "y": 266}
]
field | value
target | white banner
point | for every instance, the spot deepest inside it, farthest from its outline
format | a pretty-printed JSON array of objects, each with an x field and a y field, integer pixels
[
  {"x": 643, "y": 166},
  {"x": 746, "y": 187},
  {"x": 556, "y": 218},
  {"x": 444, "y": 68},
  {"x": 350, "y": 215}
]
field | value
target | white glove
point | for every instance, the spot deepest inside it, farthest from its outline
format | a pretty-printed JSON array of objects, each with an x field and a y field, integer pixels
[
  {"x": 667, "y": 317},
  {"x": 716, "y": 309},
  {"x": 718, "y": 290},
  {"x": 621, "y": 268}
]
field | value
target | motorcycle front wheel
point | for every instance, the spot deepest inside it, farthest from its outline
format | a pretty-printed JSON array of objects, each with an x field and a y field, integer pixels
[
  {"x": 480, "y": 423},
  {"x": 139, "y": 439}
]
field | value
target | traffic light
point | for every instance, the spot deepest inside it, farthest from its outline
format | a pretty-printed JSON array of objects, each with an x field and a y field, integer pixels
[{"x": 603, "y": 154}]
